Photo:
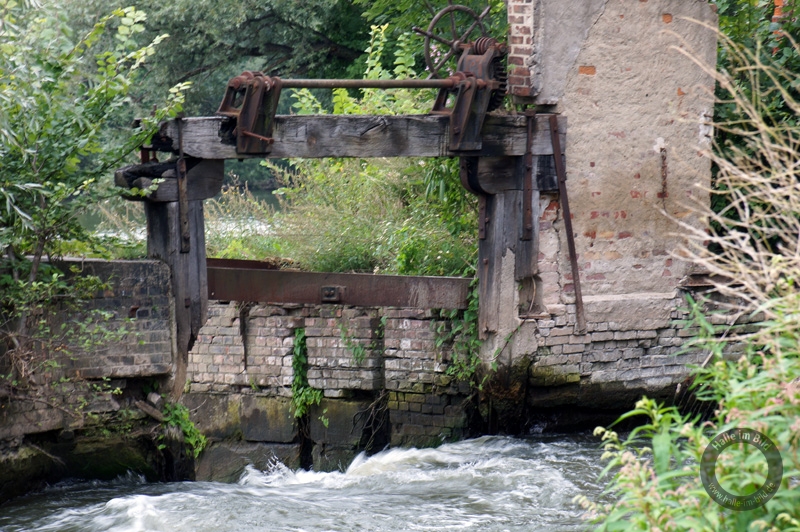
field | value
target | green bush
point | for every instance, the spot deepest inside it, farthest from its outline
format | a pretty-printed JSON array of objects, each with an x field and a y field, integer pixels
[{"x": 60, "y": 98}]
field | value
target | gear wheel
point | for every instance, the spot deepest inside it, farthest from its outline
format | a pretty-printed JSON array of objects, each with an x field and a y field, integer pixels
[{"x": 499, "y": 74}]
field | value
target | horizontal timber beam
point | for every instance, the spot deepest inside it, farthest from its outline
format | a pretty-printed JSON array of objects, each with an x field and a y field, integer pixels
[
  {"x": 247, "y": 281},
  {"x": 311, "y": 136}
]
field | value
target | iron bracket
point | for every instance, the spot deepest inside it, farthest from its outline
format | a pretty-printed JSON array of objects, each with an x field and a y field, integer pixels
[
  {"x": 527, "y": 182},
  {"x": 252, "y": 99},
  {"x": 478, "y": 86}
]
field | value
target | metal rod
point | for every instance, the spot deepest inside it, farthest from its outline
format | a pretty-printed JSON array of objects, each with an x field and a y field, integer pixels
[
  {"x": 580, "y": 326},
  {"x": 369, "y": 83}
]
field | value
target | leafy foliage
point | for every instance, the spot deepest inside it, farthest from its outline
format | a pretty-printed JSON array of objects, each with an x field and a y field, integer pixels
[
  {"x": 400, "y": 16},
  {"x": 59, "y": 96},
  {"x": 238, "y": 226},
  {"x": 303, "y": 395},
  {"x": 214, "y": 40},
  {"x": 407, "y": 216},
  {"x": 654, "y": 471},
  {"x": 459, "y": 333},
  {"x": 177, "y": 415},
  {"x": 759, "y": 57}
]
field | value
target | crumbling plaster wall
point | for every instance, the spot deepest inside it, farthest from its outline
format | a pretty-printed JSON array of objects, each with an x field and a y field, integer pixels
[{"x": 638, "y": 108}]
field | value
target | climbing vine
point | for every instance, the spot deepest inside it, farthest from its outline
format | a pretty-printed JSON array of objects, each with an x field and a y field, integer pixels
[
  {"x": 459, "y": 329},
  {"x": 303, "y": 395}
]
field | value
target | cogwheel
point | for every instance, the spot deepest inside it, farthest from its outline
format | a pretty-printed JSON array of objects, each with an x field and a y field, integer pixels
[{"x": 499, "y": 74}]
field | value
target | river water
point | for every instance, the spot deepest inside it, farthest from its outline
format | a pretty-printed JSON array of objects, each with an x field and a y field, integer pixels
[{"x": 486, "y": 484}]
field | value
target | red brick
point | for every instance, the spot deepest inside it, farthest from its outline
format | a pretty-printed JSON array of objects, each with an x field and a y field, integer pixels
[
  {"x": 520, "y": 91},
  {"x": 515, "y": 60},
  {"x": 587, "y": 70}
]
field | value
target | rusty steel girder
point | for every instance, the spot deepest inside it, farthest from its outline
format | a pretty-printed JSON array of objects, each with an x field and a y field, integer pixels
[{"x": 251, "y": 281}]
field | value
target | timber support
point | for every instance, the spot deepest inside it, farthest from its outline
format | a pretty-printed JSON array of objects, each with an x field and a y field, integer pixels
[{"x": 505, "y": 159}]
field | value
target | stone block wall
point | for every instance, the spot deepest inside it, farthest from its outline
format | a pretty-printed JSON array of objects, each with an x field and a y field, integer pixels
[
  {"x": 345, "y": 348},
  {"x": 382, "y": 363},
  {"x": 137, "y": 303}
]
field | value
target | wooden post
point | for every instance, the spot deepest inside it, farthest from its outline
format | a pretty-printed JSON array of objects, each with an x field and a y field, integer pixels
[{"x": 188, "y": 270}]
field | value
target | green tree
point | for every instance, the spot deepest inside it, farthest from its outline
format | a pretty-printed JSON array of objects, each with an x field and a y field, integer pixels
[
  {"x": 58, "y": 96},
  {"x": 213, "y": 40}
]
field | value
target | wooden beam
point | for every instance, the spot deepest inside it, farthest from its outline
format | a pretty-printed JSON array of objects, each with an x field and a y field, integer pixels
[
  {"x": 188, "y": 276},
  {"x": 311, "y": 136},
  {"x": 204, "y": 182}
]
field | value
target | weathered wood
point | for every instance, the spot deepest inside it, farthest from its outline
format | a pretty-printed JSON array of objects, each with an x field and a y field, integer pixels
[
  {"x": 527, "y": 253},
  {"x": 359, "y": 136},
  {"x": 490, "y": 253},
  {"x": 498, "y": 174},
  {"x": 188, "y": 272},
  {"x": 204, "y": 179}
]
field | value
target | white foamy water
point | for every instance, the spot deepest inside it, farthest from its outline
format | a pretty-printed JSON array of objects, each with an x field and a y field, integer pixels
[{"x": 490, "y": 483}]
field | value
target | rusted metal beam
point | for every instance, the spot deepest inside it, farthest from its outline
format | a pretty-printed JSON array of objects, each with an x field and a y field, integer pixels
[
  {"x": 580, "y": 315},
  {"x": 448, "y": 83},
  {"x": 252, "y": 282}
]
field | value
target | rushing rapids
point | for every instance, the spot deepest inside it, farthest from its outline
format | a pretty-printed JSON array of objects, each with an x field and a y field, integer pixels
[{"x": 489, "y": 483}]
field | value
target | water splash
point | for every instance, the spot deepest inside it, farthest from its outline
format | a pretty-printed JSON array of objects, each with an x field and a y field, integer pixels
[{"x": 491, "y": 483}]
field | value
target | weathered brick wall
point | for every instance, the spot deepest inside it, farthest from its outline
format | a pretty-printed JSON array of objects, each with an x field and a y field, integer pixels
[
  {"x": 631, "y": 347},
  {"x": 353, "y": 354},
  {"x": 345, "y": 347},
  {"x": 137, "y": 301},
  {"x": 520, "y": 46},
  {"x": 637, "y": 110}
]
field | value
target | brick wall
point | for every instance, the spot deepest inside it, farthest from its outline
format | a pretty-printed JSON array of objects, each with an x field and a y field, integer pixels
[
  {"x": 520, "y": 49},
  {"x": 137, "y": 301},
  {"x": 352, "y": 353}
]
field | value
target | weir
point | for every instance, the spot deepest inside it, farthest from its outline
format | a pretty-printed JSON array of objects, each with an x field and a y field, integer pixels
[{"x": 581, "y": 282}]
